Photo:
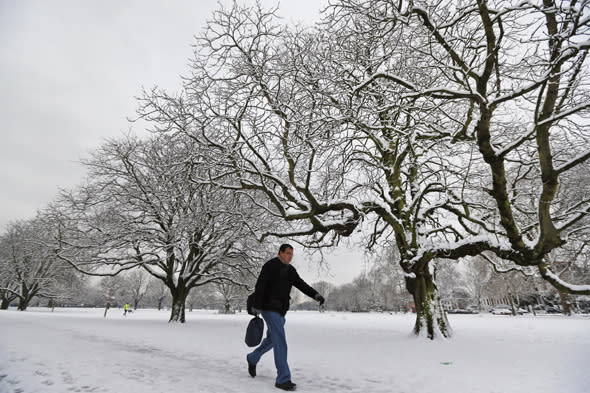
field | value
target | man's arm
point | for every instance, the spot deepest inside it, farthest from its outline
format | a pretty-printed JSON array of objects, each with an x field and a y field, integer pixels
[{"x": 298, "y": 283}]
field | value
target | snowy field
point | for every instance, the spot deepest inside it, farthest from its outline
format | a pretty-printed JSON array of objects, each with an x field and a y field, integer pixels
[{"x": 77, "y": 350}]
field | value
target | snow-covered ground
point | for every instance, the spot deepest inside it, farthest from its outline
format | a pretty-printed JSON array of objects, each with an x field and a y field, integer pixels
[{"x": 77, "y": 350}]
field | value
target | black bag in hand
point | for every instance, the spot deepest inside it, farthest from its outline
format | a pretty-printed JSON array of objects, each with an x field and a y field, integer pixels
[{"x": 254, "y": 331}]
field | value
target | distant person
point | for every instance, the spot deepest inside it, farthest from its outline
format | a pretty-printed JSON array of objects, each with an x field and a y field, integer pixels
[
  {"x": 125, "y": 309},
  {"x": 106, "y": 308},
  {"x": 271, "y": 299}
]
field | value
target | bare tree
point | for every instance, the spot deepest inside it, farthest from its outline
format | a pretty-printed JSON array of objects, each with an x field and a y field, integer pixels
[
  {"x": 204, "y": 296},
  {"x": 8, "y": 287},
  {"x": 324, "y": 287},
  {"x": 234, "y": 294},
  {"x": 157, "y": 292},
  {"x": 114, "y": 291},
  {"x": 477, "y": 275},
  {"x": 142, "y": 208},
  {"x": 390, "y": 279},
  {"x": 342, "y": 298},
  {"x": 364, "y": 294},
  {"x": 29, "y": 267},
  {"x": 448, "y": 283},
  {"x": 137, "y": 284},
  {"x": 436, "y": 123}
]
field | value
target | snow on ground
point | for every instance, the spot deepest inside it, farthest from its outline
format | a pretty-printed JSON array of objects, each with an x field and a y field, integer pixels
[{"x": 77, "y": 350}]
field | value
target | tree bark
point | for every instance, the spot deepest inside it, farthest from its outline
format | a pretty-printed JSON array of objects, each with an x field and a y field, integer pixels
[
  {"x": 6, "y": 299},
  {"x": 431, "y": 318},
  {"x": 179, "y": 295},
  {"x": 26, "y": 296},
  {"x": 4, "y": 304},
  {"x": 23, "y": 303},
  {"x": 566, "y": 303}
]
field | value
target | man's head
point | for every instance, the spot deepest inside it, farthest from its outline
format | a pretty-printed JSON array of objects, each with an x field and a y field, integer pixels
[{"x": 286, "y": 253}]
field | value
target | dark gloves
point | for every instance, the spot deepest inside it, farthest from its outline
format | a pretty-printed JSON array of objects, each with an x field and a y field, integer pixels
[
  {"x": 256, "y": 311},
  {"x": 320, "y": 299}
]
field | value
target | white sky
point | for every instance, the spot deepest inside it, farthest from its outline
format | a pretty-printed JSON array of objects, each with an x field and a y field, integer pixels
[{"x": 69, "y": 72}]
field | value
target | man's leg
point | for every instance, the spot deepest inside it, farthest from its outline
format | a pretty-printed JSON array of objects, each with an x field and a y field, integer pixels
[{"x": 275, "y": 323}]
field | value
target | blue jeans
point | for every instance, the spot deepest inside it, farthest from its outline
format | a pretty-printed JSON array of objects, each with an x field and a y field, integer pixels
[{"x": 275, "y": 339}]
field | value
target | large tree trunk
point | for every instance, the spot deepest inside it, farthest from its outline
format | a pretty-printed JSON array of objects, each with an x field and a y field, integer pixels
[
  {"x": 27, "y": 295},
  {"x": 431, "y": 318},
  {"x": 6, "y": 300},
  {"x": 179, "y": 295},
  {"x": 23, "y": 303},
  {"x": 566, "y": 303}
]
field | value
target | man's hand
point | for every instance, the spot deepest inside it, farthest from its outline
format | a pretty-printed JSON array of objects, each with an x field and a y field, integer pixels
[{"x": 320, "y": 299}]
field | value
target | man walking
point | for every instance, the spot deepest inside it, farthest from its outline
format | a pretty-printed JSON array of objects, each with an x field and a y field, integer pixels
[{"x": 271, "y": 299}]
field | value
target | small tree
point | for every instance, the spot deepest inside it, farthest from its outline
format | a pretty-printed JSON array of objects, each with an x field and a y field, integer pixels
[
  {"x": 137, "y": 284},
  {"x": 447, "y": 281},
  {"x": 8, "y": 285},
  {"x": 30, "y": 267},
  {"x": 477, "y": 276},
  {"x": 143, "y": 208},
  {"x": 114, "y": 291},
  {"x": 157, "y": 293},
  {"x": 235, "y": 294}
]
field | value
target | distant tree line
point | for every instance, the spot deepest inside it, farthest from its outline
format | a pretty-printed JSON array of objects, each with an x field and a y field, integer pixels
[
  {"x": 466, "y": 286},
  {"x": 473, "y": 286}
]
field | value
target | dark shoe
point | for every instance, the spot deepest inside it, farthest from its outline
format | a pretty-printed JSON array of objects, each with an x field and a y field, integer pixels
[
  {"x": 289, "y": 386},
  {"x": 251, "y": 368}
]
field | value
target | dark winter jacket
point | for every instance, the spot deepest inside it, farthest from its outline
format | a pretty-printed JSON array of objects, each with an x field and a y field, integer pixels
[{"x": 274, "y": 286}]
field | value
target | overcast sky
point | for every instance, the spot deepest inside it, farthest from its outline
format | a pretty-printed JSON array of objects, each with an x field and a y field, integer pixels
[{"x": 69, "y": 72}]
